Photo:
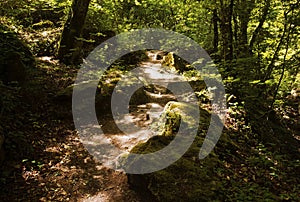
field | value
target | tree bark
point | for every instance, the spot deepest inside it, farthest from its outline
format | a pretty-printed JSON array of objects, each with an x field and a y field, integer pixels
[
  {"x": 70, "y": 43},
  {"x": 215, "y": 20},
  {"x": 260, "y": 25},
  {"x": 244, "y": 12},
  {"x": 226, "y": 29}
]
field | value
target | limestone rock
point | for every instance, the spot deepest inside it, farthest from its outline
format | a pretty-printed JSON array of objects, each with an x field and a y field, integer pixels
[
  {"x": 174, "y": 62},
  {"x": 188, "y": 178}
]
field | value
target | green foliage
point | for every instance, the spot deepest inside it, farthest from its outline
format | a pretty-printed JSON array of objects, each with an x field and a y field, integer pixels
[
  {"x": 184, "y": 17},
  {"x": 9, "y": 42},
  {"x": 39, "y": 22},
  {"x": 195, "y": 179},
  {"x": 256, "y": 158},
  {"x": 26, "y": 12}
]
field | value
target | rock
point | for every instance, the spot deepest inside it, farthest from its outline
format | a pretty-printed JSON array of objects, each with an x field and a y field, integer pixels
[
  {"x": 173, "y": 61},
  {"x": 197, "y": 85},
  {"x": 188, "y": 179},
  {"x": 168, "y": 60},
  {"x": 15, "y": 57},
  {"x": 159, "y": 57},
  {"x": 143, "y": 96},
  {"x": 66, "y": 94},
  {"x": 139, "y": 97},
  {"x": 160, "y": 98},
  {"x": 157, "y": 89}
]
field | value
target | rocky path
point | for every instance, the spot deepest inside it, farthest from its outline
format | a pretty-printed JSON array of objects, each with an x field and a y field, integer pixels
[
  {"x": 56, "y": 166},
  {"x": 125, "y": 131},
  {"x": 135, "y": 125}
]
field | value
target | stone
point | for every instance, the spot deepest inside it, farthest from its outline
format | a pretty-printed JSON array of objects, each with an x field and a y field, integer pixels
[
  {"x": 173, "y": 61},
  {"x": 15, "y": 57},
  {"x": 188, "y": 179}
]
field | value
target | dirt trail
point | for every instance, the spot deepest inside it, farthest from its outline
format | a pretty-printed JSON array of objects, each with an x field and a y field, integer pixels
[
  {"x": 136, "y": 124},
  {"x": 59, "y": 168},
  {"x": 125, "y": 131},
  {"x": 128, "y": 129}
]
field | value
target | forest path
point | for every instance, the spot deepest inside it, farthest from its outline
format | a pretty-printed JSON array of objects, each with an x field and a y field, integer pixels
[
  {"x": 144, "y": 110},
  {"x": 136, "y": 124},
  {"x": 55, "y": 166}
]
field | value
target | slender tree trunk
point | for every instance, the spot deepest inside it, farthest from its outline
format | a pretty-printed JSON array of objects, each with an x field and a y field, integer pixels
[
  {"x": 226, "y": 29},
  {"x": 286, "y": 30},
  {"x": 236, "y": 29},
  {"x": 230, "y": 36},
  {"x": 69, "y": 48},
  {"x": 260, "y": 25},
  {"x": 283, "y": 64},
  {"x": 215, "y": 20},
  {"x": 245, "y": 12}
]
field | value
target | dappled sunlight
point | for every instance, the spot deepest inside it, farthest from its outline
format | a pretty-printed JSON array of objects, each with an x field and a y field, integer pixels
[
  {"x": 249, "y": 51},
  {"x": 154, "y": 72}
]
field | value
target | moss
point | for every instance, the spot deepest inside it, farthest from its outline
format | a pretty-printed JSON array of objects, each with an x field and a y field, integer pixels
[
  {"x": 43, "y": 24},
  {"x": 188, "y": 179},
  {"x": 15, "y": 57},
  {"x": 168, "y": 60},
  {"x": 173, "y": 62}
]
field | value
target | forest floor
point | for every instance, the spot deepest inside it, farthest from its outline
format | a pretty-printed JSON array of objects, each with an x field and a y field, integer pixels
[
  {"x": 45, "y": 159},
  {"x": 56, "y": 166}
]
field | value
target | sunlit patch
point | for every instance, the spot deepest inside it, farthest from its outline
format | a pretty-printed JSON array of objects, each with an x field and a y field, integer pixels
[
  {"x": 53, "y": 149},
  {"x": 103, "y": 196}
]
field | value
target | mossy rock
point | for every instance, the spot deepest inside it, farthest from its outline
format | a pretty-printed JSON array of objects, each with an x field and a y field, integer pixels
[
  {"x": 134, "y": 58},
  {"x": 67, "y": 93},
  {"x": 139, "y": 97},
  {"x": 15, "y": 57},
  {"x": 188, "y": 179},
  {"x": 172, "y": 61}
]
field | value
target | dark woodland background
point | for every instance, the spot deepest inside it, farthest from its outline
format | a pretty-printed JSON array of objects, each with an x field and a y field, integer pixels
[{"x": 255, "y": 45}]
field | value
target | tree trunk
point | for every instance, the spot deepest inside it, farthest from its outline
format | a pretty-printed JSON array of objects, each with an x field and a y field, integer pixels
[
  {"x": 236, "y": 31},
  {"x": 215, "y": 20},
  {"x": 226, "y": 29},
  {"x": 260, "y": 25},
  {"x": 245, "y": 9},
  {"x": 70, "y": 43}
]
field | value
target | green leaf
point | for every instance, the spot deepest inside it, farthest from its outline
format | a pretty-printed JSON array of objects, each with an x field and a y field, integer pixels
[{"x": 255, "y": 82}]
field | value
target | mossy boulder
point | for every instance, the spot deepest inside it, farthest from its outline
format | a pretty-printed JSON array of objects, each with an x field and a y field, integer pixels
[
  {"x": 173, "y": 61},
  {"x": 65, "y": 95},
  {"x": 15, "y": 57},
  {"x": 188, "y": 179}
]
